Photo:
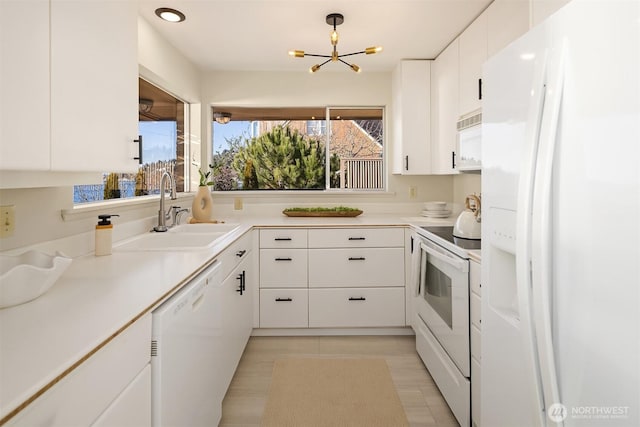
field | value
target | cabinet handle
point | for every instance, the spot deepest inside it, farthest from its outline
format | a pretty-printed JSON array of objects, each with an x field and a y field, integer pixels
[
  {"x": 357, "y": 299},
  {"x": 139, "y": 141},
  {"x": 406, "y": 163},
  {"x": 356, "y": 258},
  {"x": 284, "y": 259},
  {"x": 282, "y": 239},
  {"x": 453, "y": 160},
  {"x": 480, "y": 89},
  {"x": 357, "y": 238},
  {"x": 241, "y": 286},
  {"x": 283, "y": 300},
  {"x": 241, "y": 253}
]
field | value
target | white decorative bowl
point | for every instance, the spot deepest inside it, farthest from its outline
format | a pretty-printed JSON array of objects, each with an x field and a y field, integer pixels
[{"x": 26, "y": 276}]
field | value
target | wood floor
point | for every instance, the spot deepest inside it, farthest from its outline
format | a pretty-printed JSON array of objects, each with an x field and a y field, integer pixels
[{"x": 420, "y": 397}]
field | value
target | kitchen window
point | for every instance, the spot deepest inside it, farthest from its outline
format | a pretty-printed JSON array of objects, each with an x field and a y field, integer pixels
[
  {"x": 161, "y": 123},
  {"x": 303, "y": 148}
]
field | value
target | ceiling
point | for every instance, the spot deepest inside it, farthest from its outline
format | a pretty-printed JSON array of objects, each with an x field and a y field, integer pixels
[{"x": 253, "y": 35}]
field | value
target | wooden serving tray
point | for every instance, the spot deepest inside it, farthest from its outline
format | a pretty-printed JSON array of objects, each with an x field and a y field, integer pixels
[{"x": 323, "y": 213}]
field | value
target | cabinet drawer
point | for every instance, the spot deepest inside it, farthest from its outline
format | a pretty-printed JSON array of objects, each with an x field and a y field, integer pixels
[
  {"x": 283, "y": 238},
  {"x": 356, "y": 237},
  {"x": 366, "y": 267},
  {"x": 476, "y": 344},
  {"x": 357, "y": 307},
  {"x": 235, "y": 253},
  {"x": 475, "y": 391},
  {"x": 132, "y": 407},
  {"x": 283, "y": 268},
  {"x": 476, "y": 304},
  {"x": 474, "y": 277},
  {"x": 284, "y": 308},
  {"x": 81, "y": 396}
]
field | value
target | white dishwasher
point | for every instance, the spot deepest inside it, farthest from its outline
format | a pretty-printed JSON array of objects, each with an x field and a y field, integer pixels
[{"x": 185, "y": 335}]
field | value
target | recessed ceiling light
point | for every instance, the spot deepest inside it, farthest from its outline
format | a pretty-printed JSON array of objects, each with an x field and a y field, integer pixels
[{"x": 170, "y": 15}]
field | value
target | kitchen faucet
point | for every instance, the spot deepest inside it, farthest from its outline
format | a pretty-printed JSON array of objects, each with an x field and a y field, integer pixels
[{"x": 162, "y": 215}]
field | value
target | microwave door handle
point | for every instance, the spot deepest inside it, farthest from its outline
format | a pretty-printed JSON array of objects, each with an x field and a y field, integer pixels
[{"x": 459, "y": 265}]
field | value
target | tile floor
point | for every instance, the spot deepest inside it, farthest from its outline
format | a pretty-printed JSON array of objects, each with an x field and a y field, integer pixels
[{"x": 420, "y": 397}]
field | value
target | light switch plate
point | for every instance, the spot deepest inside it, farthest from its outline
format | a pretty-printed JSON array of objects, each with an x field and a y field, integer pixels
[{"x": 7, "y": 221}]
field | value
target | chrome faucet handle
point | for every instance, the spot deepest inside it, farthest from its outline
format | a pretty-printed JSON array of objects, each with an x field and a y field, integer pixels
[{"x": 175, "y": 212}]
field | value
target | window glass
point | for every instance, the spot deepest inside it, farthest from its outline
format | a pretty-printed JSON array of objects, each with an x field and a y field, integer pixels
[
  {"x": 286, "y": 149},
  {"x": 161, "y": 124}
]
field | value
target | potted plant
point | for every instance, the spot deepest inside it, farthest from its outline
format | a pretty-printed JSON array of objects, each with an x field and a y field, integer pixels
[
  {"x": 202, "y": 205},
  {"x": 112, "y": 186}
]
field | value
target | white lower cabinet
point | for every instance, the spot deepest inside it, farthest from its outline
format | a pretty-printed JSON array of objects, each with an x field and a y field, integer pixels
[
  {"x": 132, "y": 408},
  {"x": 332, "y": 277},
  {"x": 356, "y": 267},
  {"x": 284, "y": 308},
  {"x": 80, "y": 397},
  {"x": 356, "y": 307}
]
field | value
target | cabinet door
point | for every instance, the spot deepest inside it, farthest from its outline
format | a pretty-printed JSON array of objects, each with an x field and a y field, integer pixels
[
  {"x": 237, "y": 319},
  {"x": 283, "y": 268},
  {"x": 81, "y": 396},
  {"x": 411, "y": 87},
  {"x": 351, "y": 307},
  {"x": 24, "y": 85},
  {"x": 473, "y": 53},
  {"x": 444, "y": 110},
  {"x": 356, "y": 267},
  {"x": 132, "y": 408},
  {"x": 94, "y": 85},
  {"x": 284, "y": 308},
  {"x": 506, "y": 21}
]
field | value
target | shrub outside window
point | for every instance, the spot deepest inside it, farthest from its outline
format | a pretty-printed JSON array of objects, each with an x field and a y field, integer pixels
[{"x": 286, "y": 149}]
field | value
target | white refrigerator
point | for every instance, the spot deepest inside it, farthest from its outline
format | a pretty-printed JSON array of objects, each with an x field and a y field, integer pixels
[{"x": 561, "y": 222}]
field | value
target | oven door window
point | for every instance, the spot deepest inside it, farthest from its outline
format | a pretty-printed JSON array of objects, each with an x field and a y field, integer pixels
[{"x": 437, "y": 291}]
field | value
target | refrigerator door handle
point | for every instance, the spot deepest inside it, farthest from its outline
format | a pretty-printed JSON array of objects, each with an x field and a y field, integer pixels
[
  {"x": 524, "y": 235},
  {"x": 542, "y": 229}
]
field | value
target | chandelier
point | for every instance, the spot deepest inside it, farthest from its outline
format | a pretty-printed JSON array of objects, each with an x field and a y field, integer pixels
[{"x": 334, "y": 19}]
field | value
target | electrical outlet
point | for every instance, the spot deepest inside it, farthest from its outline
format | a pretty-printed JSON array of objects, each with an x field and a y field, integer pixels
[
  {"x": 237, "y": 203},
  {"x": 7, "y": 220},
  {"x": 413, "y": 192}
]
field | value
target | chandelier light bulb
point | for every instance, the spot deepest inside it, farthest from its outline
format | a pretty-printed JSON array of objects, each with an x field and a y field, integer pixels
[
  {"x": 334, "y": 37},
  {"x": 314, "y": 68},
  {"x": 372, "y": 50},
  {"x": 355, "y": 68}
]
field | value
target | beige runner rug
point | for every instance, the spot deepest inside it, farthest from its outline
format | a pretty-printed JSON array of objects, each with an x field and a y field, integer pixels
[{"x": 332, "y": 392}]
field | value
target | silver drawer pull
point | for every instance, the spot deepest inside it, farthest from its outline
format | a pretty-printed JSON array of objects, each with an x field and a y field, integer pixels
[
  {"x": 282, "y": 239},
  {"x": 357, "y": 299},
  {"x": 283, "y": 300},
  {"x": 356, "y": 258},
  {"x": 284, "y": 259},
  {"x": 357, "y": 238}
]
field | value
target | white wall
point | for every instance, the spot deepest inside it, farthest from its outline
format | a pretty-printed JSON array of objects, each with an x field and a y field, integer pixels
[{"x": 324, "y": 88}]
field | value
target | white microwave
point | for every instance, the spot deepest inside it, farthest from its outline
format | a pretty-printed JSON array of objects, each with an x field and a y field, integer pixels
[{"x": 469, "y": 142}]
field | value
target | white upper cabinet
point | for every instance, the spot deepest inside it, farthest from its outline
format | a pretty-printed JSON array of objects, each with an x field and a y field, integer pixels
[
  {"x": 411, "y": 89},
  {"x": 69, "y": 85},
  {"x": 473, "y": 53},
  {"x": 94, "y": 85},
  {"x": 506, "y": 21},
  {"x": 444, "y": 110},
  {"x": 24, "y": 85}
]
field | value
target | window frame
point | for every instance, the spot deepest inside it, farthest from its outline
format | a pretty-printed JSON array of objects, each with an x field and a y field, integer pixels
[{"x": 383, "y": 190}]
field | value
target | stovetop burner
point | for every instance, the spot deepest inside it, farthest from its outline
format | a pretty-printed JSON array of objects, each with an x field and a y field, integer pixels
[{"x": 446, "y": 233}]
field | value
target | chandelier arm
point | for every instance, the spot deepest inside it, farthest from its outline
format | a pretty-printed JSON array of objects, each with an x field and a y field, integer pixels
[
  {"x": 328, "y": 60},
  {"x": 344, "y": 62},
  {"x": 319, "y": 56},
  {"x": 350, "y": 54}
]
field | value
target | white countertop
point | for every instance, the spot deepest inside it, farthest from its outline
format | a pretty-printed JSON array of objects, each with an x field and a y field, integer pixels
[{"x": 98, "y": 297}]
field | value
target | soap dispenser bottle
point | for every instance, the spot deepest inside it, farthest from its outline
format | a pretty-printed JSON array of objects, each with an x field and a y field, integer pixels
[{"x": 104, "y": 235}]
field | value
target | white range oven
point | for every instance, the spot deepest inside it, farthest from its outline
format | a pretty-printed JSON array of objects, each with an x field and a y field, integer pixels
[{"x": 440, "y": 286}]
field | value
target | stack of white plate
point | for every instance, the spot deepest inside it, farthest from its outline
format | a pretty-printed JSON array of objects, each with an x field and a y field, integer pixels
[{"x": 436, "y": 210}]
